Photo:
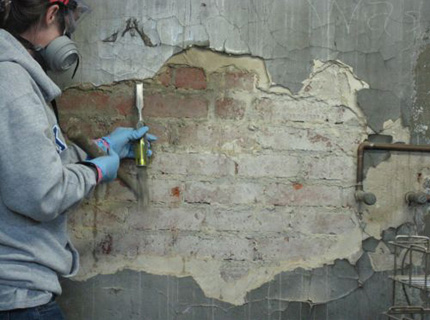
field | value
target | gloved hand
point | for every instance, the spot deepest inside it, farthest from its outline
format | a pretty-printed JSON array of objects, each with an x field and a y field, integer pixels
[
  {"x": 121, "y": 141},
  {"x": 107, "y": 166}
]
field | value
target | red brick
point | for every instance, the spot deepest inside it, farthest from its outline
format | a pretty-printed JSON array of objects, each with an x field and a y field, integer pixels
[
  {"x": 165, "y": 191},
  {"x": 223, "y": 193},
  {"x": 165, "y": 78},
  {"x": 199, "y": 137},
  {"x": 274, "y": 165},
  {"x": 228, "y": 108},
  {"x": 164, "y": 218},
  {"x": 190, "y": 78},
  {"x": 125, "y": 105},
  {"x": 160, "y": 131},
  {"x": 175, "y": 106},
  {"x": 322, "y": 221},
  {"x": 303, "y": 195},
  {"x": 83, "y": 101},
  {"x": 214, "y": 165},
  {"x": 240, "y": 80},
  {"x": 215, "y": 246}
]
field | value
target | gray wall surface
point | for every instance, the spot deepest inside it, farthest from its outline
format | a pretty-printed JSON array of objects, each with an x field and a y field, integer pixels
[
  {"x": 381, "y": 40},
  {"x": 386, "y": 44}
]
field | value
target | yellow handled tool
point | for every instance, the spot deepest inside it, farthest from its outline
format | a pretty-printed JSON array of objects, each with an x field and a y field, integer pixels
[{"x": 141, "y": 147}]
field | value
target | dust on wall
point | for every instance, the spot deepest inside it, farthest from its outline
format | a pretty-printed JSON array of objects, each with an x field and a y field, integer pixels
[{"x": 247, "y": 181}]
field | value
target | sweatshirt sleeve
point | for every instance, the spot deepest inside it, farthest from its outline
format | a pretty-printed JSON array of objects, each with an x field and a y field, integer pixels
[
  {"x": 73, "y": 154},
  {"x": 33, "y": 180}
]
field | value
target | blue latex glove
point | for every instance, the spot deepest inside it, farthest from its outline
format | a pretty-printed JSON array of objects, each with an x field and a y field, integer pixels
[
  {"x": 121, "y": 141},
  {"x": 107, "y": 166}
]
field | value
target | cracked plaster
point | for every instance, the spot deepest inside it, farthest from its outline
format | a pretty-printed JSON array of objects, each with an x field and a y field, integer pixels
[
  {"x": 378, "y": 39},
  {"x": 330, "y": 90},
  {"x": 390, "y": 181}
]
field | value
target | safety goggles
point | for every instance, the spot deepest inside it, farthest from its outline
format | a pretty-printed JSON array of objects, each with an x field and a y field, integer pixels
[{"x": 76, "y": 11}]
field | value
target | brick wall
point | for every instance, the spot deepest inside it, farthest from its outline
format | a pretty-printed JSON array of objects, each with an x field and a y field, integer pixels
[{"x": 239, "y": 174}]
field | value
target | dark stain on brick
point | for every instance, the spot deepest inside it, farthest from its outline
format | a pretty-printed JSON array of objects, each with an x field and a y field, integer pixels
[
  {"x": 176, "y": 192},
  {"x": 106, "y": 245}
]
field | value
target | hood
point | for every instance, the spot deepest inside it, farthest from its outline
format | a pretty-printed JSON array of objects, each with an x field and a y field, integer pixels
[{"x": 11, "y": 50}]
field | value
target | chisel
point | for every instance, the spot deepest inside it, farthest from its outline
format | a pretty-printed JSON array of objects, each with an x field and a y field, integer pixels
[{"x": 141, "y": 147}]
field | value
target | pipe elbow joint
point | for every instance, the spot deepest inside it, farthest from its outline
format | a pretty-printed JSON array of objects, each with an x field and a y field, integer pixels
[{"x": 366, "y": 197}]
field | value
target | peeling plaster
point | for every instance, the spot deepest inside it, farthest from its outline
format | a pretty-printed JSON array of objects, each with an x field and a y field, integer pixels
[
  {"x": 213, "y": 62},
  {"x": 390, "y": 181},
  {"x": 378, "y": 39},
  {"x": 382, "y": 259},
  {"x": 397, "y": 131},
  {"x": 329, "y": 93}
]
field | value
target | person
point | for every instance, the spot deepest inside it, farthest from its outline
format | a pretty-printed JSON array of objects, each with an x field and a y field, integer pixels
[{"x": 41, "y": 177}]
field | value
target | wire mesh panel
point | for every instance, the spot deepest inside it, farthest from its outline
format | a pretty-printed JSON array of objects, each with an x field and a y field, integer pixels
[{"x": 410, "y": 278}]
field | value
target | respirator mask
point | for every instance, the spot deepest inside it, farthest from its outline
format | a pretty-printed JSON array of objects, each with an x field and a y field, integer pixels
[{"x": 62, "y": 53}]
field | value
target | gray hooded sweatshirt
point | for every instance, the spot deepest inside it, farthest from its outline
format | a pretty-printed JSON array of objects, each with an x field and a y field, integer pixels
[{"x": 40, "y": 181}]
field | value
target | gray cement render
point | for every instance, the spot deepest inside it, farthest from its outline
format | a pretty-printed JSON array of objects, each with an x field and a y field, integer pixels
[
  {"x": 336, "y": 292},
  {"x": 421, "y": 107}
]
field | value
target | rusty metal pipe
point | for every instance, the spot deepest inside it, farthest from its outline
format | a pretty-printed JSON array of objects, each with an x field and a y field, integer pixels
[{"x": 366, "y": 145}]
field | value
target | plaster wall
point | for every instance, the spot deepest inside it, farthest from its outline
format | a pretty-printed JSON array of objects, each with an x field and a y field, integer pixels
[
  {"x": 379, "y": 39},
  {"x": 251, "y": 186}
]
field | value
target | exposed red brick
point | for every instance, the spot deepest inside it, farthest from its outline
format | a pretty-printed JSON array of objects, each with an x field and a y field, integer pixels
[
  {"x": 175, "y": 106},
  {"x": 76, "y": 100},
  {"x": 160, "y": 131},
  {"x": 200, "y": 136},
  {"x": 125, "y": 105},
  {"x": 297, "y": 186},
  {"x": 240, "y": 80},
  {"x": 203, "y": 136},
  {"x": 190, "y": 78},
  {"x": 165, "y": 191},
  {"x": 176, "y": 192},
  {"x": 313, "y": 195},
  {"x": 165, "y": 78},
  {"x": 228, "y": 108}
]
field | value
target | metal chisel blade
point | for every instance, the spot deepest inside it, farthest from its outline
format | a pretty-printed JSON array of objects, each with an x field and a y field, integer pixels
[{"x": 139, "y": 103}]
